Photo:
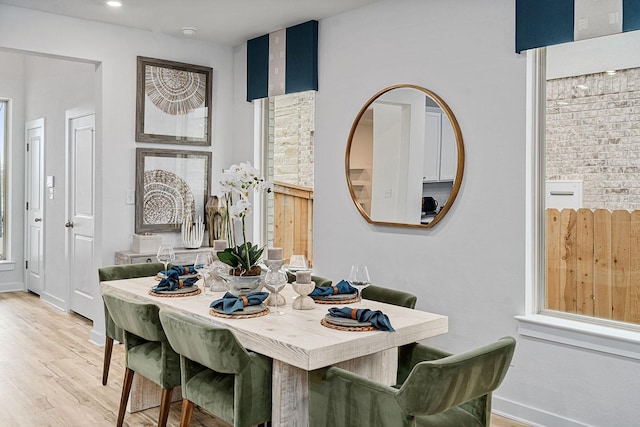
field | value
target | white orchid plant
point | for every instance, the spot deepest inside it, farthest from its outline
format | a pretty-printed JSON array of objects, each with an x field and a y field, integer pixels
[{"x": 237, "y": 184}]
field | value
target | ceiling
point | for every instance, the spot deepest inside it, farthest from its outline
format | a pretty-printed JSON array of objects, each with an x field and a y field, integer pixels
[{"x": 228, "y": 22}]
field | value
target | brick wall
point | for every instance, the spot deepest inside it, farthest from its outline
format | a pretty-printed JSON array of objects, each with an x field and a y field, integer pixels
[{"x": 593, "y": 134}]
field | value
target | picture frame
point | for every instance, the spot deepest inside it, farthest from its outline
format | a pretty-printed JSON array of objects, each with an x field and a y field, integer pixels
[
  {"x": 169, "y": 185},
  {"x": 173, "y": 102}
]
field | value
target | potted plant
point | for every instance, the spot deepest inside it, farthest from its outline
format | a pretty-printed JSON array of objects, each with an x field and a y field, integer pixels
[{"x": 237, "y": 184}]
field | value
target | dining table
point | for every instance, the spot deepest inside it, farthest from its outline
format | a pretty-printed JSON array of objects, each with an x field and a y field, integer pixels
[{"x": 297, "y": 341}]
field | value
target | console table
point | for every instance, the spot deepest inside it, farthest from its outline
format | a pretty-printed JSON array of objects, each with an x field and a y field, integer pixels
[{"x": 184, "y": 256}]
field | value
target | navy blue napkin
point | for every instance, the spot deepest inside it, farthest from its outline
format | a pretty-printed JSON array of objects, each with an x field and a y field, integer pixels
[
  {"x": 375, "y": 317},
  {"x": 343, "y": 287},
  {"x": 172, "y": 281},
  {"x": 230, "y": 303},
  {"x": 181, "y": 269}
]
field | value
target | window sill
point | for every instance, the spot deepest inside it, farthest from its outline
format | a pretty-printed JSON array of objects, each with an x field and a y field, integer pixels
[
  {"x": 604, "y": 339},
  {"x": 7, "y": 265}
]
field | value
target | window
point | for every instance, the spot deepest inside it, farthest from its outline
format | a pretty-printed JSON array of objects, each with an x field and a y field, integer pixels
[
  {"x": 584, "y": 195},
  {"x": 4, "y": 118},
  {"x": 287, "y": 129}
]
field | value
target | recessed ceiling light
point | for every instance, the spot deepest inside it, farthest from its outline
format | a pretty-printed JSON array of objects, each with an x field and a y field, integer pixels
[
  {"x": 189, "y": 31},
  {"x": 113, "y": 3}
]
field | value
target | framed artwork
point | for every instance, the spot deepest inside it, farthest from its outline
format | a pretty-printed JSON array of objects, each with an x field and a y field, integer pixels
[
  {"x": 173, "y": 102},
  {"x": 170, "y": 184}
]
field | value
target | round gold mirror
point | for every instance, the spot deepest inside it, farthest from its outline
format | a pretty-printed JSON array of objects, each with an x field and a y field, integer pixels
[{"x": 405, "y": 158}]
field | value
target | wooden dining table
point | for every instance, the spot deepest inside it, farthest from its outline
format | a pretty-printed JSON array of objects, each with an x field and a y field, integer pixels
[{"x": 297, "y": 342}]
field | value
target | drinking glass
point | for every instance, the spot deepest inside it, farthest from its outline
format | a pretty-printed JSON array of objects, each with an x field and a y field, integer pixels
[
  {"x": 202, "y": 265},
  {"x": 166, "y": 255},
  {"x": 298, "y": 262},
  {"x": 275, "y": 280},
  {"x": 359, "y": 279}
]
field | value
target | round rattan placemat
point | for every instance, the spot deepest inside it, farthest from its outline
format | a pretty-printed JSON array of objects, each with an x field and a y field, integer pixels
[
  {"x": 197, "y": 291},
  {"x": 334, "y": 301},
  {"x": 239, "y": 316},
  {"x": 368, "y": 328}
]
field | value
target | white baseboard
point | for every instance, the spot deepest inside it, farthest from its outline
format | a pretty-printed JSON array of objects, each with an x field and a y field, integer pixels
[
  {"x": 53, "y": 301},
  {"x": 96, "y": 338},
  {"x": 12, "y": 287},
  {"x": 529, "y": 415}
]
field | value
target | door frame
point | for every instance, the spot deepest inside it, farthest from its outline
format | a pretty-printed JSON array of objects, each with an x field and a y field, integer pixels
[{"x": 71, "y": 114}]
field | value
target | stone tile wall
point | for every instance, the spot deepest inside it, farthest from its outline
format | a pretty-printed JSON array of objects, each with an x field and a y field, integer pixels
[{"x": 593, "y": 134}]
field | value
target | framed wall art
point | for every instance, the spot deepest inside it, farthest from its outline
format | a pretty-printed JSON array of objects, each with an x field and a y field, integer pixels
[
  {"x": 170, "y": 184},
  {"x": 173, "y": 102}
]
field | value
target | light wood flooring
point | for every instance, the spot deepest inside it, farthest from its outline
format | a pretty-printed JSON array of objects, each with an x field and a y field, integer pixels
[{"x": 50, "y": 374}]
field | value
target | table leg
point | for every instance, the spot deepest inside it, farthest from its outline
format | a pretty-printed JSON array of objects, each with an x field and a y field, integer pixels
[
  {"x": 146, "y": 394},
  {"x": 290, "y": 385}
]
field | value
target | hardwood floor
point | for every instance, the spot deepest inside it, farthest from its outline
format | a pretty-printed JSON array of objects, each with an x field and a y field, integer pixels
[{"x": 50, "y": 375}]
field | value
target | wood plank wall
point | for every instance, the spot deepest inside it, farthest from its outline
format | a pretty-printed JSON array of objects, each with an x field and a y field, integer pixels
[
  {"x": 293, "y": 220},
  {"x": 593, "y": 263}
]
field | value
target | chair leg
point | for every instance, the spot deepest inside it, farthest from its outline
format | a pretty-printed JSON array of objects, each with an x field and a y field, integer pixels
[
  {"x": 187, "y": 411},
  {"x": 165, "y": 405},
  {"x": 108, "y": 347},
  {"x": 126, "y": 388}
]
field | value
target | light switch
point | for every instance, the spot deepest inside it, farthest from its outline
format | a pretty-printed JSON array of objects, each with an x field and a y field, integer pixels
[
  {"x": 387, "y": 193},
  {"x": 130, "y": 197},
  {"x": 50, "y": 181}
]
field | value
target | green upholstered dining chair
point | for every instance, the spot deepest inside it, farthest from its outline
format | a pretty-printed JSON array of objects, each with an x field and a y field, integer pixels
[
  {"x": 389, "y": 296},
  {"x": 319, "y": 281},
  {"x": 147, "y": 350},
  {"x": 438, "y": 390},
  {"x": 112, "y": 332},
  {"x": 218, "y": 373}
]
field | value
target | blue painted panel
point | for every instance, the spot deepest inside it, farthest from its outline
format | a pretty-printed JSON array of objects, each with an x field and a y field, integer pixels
[
  {"x": 630, "y": 15},
  {"x": 258, "y": 68},
  {"x": 302, "y": 58},
  {"x": 543, "y": 23}
]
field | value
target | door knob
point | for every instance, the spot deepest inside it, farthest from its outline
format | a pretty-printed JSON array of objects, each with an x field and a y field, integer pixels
[
  {"x": 69, "y": 224},
  {"x": 38, "y": 219}
]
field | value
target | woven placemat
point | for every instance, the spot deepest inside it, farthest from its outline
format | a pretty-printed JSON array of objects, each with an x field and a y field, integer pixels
[
  {"x": 239, "y": 316},
  {"x": 184, "y": 294},
  {"x": 334, "y": 301},
  {"x": 324, "y": 322}
]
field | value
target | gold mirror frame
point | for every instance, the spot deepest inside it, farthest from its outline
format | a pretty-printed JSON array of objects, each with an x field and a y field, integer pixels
[{"x": 459, "y": 147}]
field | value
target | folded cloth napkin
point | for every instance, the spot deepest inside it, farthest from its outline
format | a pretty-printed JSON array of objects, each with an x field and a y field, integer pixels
[
  {"x": 181, "y": 269},
  {"x": 343, "y": 287},
  {"x": 230, "y": 303},
  {"x": 375, "y": 317},
  {"x": 173, "y": 281}
]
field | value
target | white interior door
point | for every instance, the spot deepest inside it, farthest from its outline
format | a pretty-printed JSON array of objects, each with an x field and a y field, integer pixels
[
  {"x": 34, "y": 172},
  {"x": 81, "y": 208}
]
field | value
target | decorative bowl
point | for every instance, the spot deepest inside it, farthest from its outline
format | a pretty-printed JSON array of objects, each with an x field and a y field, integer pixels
[{"x": 242, "y": 285}]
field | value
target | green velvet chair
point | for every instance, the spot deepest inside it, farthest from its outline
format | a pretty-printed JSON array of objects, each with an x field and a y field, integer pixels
[
  {"x": 319, "y": 281},
  {"x": 437, "y": 390},
  {"x": 112, "y": 332},
  {"x": 389, "y": 296},
  {"x": 218, "y": 373},
  {"x": 148, "y": 352}
]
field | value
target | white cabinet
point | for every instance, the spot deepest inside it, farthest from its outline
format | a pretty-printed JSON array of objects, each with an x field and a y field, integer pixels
[{"x": 440, "y": 153}]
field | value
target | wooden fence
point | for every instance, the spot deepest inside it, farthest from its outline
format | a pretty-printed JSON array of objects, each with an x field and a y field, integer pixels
[
  {"x": 593, "y": 263},
  {"x": 293, "y": 220}
]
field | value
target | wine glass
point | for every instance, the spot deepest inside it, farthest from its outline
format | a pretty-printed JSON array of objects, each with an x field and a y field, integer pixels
[
  {"x": 165, "y": 255},
  {"x": 359, "y": 279},
  {"x": 275, "y": 280},
  {"x": 202, "y": 265}
]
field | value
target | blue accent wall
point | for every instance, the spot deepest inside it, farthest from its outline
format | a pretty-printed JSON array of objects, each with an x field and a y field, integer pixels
[
  {"x": 302, "y": 58},
  {"x": 258, "y": 68},
  {"x": 543, "y": 23}
]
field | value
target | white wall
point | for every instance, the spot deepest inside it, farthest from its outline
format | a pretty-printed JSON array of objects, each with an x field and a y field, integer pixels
[
  {"x": 471, "y": 265},
  {"x": 115, "y": 48}
]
